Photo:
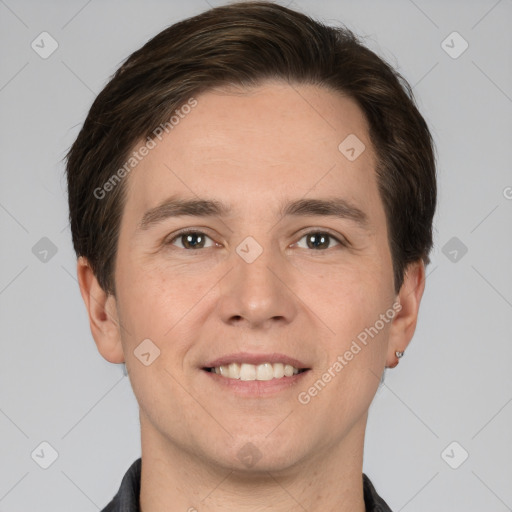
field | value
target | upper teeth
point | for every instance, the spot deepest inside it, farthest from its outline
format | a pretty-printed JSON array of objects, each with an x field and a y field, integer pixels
[{"x": 265, "y": 371}]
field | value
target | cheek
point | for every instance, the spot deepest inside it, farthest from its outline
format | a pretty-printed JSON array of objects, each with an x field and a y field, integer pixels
[
  {"x": 350, "y": 304},
  {"x": 355, "y": 353},
  {"x": 155, "y": 294},
  {"x": 158, "y": 306},
  {"x": 346, "y": 297},
  {"x": 152, "y": 307}
]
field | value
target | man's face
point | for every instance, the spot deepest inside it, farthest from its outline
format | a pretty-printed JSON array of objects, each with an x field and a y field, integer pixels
[{"x": 199, "y": 297}]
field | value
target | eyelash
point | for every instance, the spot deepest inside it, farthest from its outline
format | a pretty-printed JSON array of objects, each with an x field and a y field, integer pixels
[{"x": 341, "y": 241}]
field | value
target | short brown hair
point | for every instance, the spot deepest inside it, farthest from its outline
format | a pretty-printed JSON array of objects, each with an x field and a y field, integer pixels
[{"x": 244, "y": 44}]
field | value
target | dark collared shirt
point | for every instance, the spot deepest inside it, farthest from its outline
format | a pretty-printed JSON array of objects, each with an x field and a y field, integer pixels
[{"x": 127, "y": 498}]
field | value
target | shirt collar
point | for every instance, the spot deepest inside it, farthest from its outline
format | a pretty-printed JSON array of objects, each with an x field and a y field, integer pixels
[{"x": 127, "y": 498}]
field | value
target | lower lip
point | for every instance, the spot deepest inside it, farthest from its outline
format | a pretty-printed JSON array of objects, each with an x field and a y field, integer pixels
[{"x": 256, "y": 387}]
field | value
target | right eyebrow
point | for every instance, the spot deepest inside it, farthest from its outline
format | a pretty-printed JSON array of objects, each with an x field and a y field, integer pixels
[{"x": 174, "y": 207}]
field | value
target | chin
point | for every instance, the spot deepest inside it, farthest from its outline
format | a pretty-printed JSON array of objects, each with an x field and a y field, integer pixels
[{"x": 262, "y": 455}]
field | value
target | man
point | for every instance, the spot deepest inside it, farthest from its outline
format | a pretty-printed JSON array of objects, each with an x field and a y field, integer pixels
[{"x": 251, "y": 201}]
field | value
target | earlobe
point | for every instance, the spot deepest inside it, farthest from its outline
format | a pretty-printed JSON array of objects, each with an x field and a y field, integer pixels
[
  {"x": 404, "y": 323},
  {"x": 102, "y": 312}
]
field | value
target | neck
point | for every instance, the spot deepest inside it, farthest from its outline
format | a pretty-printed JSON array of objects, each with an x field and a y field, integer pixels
[{"x": 177, "y": 479}]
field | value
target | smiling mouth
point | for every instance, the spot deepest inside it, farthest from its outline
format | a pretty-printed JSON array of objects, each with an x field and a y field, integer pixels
[{"x": 265, "y": 371}]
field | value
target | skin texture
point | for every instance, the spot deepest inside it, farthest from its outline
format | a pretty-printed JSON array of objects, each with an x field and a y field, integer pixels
[{"x": 254, "y": 150}]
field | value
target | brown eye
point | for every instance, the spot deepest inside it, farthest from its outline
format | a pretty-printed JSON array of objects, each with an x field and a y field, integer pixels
[
  {"x": 190, "y": 240},
  {"x": 316, "y": 240}
]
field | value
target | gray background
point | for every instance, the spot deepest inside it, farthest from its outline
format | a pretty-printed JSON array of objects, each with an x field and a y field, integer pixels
[{"x": 454, "y": 382}]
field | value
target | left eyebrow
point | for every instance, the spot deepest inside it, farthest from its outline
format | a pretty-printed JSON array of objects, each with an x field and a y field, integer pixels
[
  {"x": 335, "y": 207},
  {"x": 176, "y": 207}
]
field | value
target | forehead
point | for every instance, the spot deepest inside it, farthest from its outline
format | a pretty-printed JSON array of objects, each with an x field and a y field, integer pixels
[{"x": 262, "y": 145}]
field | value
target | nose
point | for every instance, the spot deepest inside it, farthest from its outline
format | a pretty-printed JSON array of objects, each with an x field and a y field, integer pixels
[{"x": 258, "y": 294}]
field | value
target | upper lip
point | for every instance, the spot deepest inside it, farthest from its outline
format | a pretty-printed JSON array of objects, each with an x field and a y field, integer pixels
[{"x": 251, "y": 358}]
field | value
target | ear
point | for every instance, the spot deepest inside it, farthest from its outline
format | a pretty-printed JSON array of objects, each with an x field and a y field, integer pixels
[
  {"x": 404, "y": 322},
  {"x": 102, "y": 311}
]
